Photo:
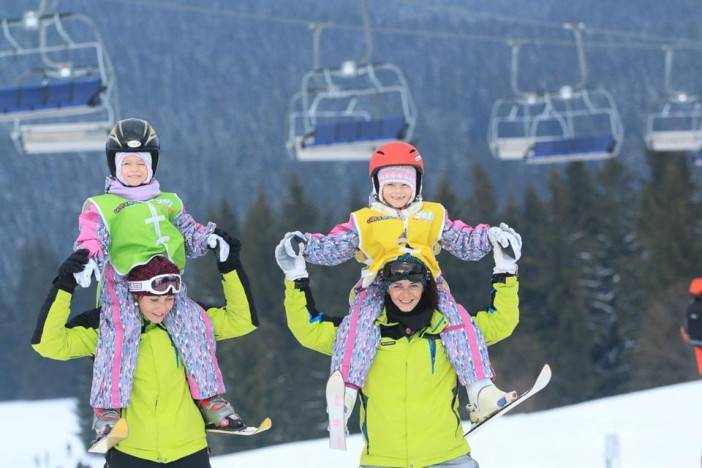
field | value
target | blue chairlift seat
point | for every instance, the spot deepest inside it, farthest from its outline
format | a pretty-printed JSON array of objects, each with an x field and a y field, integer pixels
[
  {"x": 55, "y": 95},
  {"x": 590, "y": 147},
  {"x": 350, "y": 131}
]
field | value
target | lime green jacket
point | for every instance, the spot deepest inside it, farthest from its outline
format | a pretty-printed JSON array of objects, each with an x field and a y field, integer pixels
[
  {"x": 409, "y": 403},
  {"x": 163, "y": 421}
]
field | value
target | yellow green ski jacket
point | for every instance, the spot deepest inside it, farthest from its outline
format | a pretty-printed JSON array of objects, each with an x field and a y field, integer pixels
[
  {"x": 409, "y": 403},
  {"x": 164, "y": 422}
]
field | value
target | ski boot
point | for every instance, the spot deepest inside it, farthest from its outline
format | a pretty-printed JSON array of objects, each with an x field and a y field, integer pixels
[
  {"x": 110, "y": 429},
  {"x": 215, "y": 410},
  {"x": 485, "y": 399}
]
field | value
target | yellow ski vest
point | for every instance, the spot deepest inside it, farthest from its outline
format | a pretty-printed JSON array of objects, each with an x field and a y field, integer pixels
[{"x": 385, "y": 235}]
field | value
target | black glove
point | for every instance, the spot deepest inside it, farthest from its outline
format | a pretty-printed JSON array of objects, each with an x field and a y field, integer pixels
[
  {"x": 232, "y": 262},
  {"x": 73, "y": 264}
]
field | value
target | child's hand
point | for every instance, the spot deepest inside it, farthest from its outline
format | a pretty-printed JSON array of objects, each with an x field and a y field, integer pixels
[
  {"x": 227, "y": 249},
  {"x": 506, "y": 248},
  {"x": 293, "y": 266},
  {"x": 66, "y": 273},
  {"x": 294, "y": 243},
  {"x": 84, "y": 276}
]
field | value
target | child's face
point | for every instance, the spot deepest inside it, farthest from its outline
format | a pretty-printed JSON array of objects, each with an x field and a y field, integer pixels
[
  {"x": 134, "y": 171},
  {"x": 397, "y": 194},
  {"x": 155, "y": 308}
]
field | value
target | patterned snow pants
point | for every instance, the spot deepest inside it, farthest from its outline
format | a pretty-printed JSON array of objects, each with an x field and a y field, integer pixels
[
  {"x": 357, "y": 338},
  {"x": 187, "y": 324}
]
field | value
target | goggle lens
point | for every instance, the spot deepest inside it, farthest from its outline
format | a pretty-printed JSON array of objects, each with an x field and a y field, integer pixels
[{"x": 164, "y": 283}]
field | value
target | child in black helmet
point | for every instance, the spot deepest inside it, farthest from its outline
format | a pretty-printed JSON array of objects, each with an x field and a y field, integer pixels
[{"x": 127, "y": 226}]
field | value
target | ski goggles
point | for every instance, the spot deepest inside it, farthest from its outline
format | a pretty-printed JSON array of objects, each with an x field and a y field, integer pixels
[
  {"x": 404, "y": 270},
  {"x": 159, "y": 285}
]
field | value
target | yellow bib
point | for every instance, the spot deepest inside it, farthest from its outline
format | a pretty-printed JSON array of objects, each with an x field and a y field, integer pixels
[{"x": 385, "y": 235}]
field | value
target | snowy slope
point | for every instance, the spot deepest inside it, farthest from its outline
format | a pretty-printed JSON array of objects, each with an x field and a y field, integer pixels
[{"x": 572, "y": 437}]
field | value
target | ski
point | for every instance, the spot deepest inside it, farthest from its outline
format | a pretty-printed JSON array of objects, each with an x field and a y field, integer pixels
[
  {"x": 335, "y": 408},
  {"x": 243, "y": 431},
  {"x": 540, "y": 383},
  {"x": 118, "y": 433}
]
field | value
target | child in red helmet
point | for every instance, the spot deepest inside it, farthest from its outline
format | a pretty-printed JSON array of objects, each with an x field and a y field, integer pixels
[
  {"x": 127, "y": 226},
  {"x": 396, "y": 222},
  {"x": 692, "y": 329}
]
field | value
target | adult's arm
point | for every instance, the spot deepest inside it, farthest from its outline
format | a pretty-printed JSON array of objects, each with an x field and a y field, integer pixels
[
  {"x": 310, "y": 327},
  {"x": 55, "y": 337},
  {"x": 501, "y": 317},
  {"x": 238, "y": 316}
]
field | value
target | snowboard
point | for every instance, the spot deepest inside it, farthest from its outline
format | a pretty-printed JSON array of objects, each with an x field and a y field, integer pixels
[
  {"x": 243, "y": 431},
  {"x": 335, "y": 393},
  {"x": 118, "y": 433},
  {"x": 540, "y": 383}
]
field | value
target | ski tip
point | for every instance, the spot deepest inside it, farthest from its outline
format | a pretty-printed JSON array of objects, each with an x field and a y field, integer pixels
[
  {"x": 265, "y": 424},
  {"x": 546, "y": 371}
]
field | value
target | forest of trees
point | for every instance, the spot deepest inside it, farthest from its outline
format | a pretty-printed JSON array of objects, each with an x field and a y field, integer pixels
[{"x": 607, "y": 258}]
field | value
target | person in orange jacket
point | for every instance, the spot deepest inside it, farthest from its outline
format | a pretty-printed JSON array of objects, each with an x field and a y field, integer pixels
[{"x": 692, "y": 329}]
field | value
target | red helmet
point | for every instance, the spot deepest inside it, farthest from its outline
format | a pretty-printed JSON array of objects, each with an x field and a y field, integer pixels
[
  {"x": 395, "y": 153},
  {"x": 696, "y": 287}
]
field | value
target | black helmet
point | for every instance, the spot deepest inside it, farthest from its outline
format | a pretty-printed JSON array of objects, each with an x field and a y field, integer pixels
[{"x": 132, "y": 136}]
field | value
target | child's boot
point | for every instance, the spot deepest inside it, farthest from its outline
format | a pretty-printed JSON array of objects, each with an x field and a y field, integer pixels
[
  {"x": 216, "y": 409},
  {"x": 484, "y": 399},
  {"x": 110, "y": 429}
]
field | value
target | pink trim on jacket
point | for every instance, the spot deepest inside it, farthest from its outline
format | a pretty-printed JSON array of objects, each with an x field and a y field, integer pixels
[{"x": 88, "y": 238}]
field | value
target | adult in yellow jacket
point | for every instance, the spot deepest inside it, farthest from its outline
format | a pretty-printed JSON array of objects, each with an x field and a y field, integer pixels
[
  {"x": 409, "y": 403},
  {"x": 164, "y": 423}
]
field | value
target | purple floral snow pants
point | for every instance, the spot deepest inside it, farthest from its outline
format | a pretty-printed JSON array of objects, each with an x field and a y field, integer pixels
[{"x": 357, "y": 338}]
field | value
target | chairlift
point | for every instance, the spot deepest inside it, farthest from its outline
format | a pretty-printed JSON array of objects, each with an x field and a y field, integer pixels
[
  {"x": 677, "y": 127},
  {"x": 61, "y": 99},
  {"x": 343, "y": 113},
  {"x": 575, "y": 123}
]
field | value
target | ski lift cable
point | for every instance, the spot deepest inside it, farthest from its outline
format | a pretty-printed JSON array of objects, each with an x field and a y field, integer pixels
[
  {"x": 552, "y": 25},
  {"x": 638, "y": 41}
]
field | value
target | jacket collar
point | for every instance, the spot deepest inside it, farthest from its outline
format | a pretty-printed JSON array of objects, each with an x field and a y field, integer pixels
[{"x": 436, "y": 325}]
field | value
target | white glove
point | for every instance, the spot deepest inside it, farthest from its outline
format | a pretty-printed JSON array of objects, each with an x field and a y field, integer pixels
[
  {"x": 293, "y": 242},
  {"x": 213, "y": 240},
  {"x": 293, "y": 266},
  {"x": 506, "y": 248},
  {"x": 83, "y": 277}
]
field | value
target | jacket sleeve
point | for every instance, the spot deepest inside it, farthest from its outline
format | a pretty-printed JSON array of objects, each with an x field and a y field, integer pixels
[
  {"x": 89, "y": 227},
  {"x": 501, "y": 317},
  {"x": 463, "y": 241},
  {"x": 194, "y": 234},
  {"x": 238, "y": 316},
  {"x": 57, "y": 338},
  {"x": 310, "y": 327},
  {"x": 336, "y": 247}
]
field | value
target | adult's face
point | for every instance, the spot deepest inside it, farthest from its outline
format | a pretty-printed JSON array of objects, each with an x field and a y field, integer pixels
[
  {"x": 155, "y": 308},
  {"x": 405, "y": 294}
]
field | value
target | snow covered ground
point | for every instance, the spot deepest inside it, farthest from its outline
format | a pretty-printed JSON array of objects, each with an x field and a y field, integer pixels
[{"x": 649, "y": 435}]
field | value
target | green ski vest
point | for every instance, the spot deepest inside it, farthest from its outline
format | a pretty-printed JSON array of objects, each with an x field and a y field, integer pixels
[{"x": 141, "y": 230}]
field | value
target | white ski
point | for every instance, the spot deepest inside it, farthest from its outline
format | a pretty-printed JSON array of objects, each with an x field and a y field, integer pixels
[
  {"x": 540, "y": 383},
  {"x": 244, "y": 431},
  {"x": 118, "y": 433},
  {"x": 335, "y": 408}
]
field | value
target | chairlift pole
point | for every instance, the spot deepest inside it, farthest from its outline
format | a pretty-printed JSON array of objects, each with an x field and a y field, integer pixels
[
  {"x": 577, "y": 29},
  {"x": 366, "y": 58},
  {"x": 516, "y": 46}
]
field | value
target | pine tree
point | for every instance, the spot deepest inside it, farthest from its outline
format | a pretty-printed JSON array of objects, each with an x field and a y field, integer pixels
[{"x": 24, "y": 368}]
